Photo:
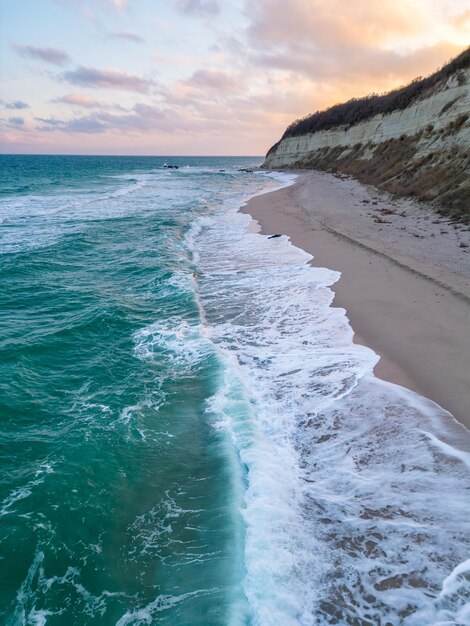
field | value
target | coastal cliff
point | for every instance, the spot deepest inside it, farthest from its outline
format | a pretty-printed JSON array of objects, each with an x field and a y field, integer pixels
[{"x": 414, "y": 141}]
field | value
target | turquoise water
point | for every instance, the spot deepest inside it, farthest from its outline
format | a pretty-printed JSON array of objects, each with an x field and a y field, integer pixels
[
  {"x": 189, "y": 435},
  {"x": 116, "y": 491}
]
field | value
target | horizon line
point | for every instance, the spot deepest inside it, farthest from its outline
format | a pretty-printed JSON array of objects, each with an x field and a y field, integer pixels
[{"x": 137, "y": 156}]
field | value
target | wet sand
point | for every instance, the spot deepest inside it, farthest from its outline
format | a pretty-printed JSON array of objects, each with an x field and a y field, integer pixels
[{"x": 405, "y": 277}]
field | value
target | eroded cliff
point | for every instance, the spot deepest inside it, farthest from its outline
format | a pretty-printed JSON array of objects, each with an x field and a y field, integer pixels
[{"x": 421, "y": 150}]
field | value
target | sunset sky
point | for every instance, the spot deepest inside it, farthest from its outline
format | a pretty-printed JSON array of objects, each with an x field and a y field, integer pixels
[{"x": 200, "y": 77}]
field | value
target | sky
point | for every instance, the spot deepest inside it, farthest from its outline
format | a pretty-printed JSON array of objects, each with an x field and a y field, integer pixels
[{"x": 203, "y": 77}]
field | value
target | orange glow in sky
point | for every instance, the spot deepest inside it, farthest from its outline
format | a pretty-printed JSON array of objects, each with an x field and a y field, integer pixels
[{"x": 203, "y": 76}]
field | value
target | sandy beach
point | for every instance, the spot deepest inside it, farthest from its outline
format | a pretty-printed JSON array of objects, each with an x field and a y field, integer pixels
[{"x": 405, "y": 277}]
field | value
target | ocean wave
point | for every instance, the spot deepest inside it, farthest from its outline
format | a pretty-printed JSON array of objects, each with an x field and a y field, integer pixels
[{"x": 355, "y": 505}]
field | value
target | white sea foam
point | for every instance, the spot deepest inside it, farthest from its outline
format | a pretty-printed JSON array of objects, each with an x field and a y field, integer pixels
[
  {"x": 356, "y": 504},
  {"x": 21, "y": 493},
  {"x": 176, "y": 342},
  {"x": 36, "y": 221},
  {"x": 37, "y": 584},
  {"x": 162, "y": 603}
]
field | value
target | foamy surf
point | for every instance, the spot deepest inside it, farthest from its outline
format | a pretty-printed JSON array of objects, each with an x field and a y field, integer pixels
[{"x": 356, "y": 504}]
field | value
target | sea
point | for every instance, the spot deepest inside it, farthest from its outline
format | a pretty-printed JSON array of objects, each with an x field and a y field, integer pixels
[{"x": 189, "y": 435}]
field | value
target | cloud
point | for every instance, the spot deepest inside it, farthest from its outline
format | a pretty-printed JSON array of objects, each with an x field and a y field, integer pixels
[
  {"x": 200, "y": 8},
  {"x": 78, "y": 99},
  {"x": 143, "y": 117},
  {"x": 51, "y": 122},
  {"x": 17, "y": 104},
  {"x": 50, "y": 55},
  {"x": 85, "y": 101},
  {"x": 149, "y": 111},
  {"x": 333, "y": 42},
  {"x": 106, "y": 79},
  {"x": 213, "y": 80},
  {"x": 141, "y": 120},
  {"x": 84, "y": 124},
  {"x": 16, "y": 121},
  {"x": 127, "y": 36},
  {"x": 214, "y": 86},
  {"x": 89, "y": 124},
  {"x": 359, "y": 65},
  {"x": 320, "y": 23}
]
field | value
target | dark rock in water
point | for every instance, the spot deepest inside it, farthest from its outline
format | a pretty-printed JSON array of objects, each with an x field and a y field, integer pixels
[
  {"x": 273, "y": 236},
  {"x": 221, "y": 170}
]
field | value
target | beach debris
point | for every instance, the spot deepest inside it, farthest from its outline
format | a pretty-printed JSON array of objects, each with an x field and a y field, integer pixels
[{"x": 274, "y": 236}]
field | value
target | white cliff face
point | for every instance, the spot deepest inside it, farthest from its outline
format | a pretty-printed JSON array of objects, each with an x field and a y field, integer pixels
[{"x": 431, "y": 116}]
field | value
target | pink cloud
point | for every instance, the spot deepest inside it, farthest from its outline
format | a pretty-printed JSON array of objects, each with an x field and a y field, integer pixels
[
  {"x": 78, "y": 99},
  {"x": 107, "y": 79},
  {"x": 213, "y": 80},
  {"x": 50, "y": 55},
  {"x": 333, "y": 41}
]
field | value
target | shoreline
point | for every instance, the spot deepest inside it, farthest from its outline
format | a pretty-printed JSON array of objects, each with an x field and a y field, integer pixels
[{"x": 405, "y": 277}]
